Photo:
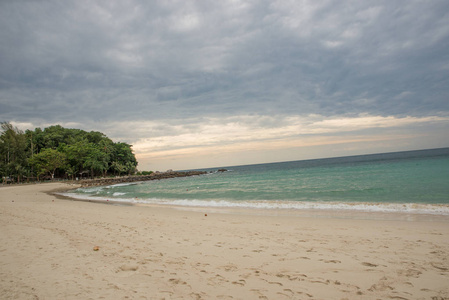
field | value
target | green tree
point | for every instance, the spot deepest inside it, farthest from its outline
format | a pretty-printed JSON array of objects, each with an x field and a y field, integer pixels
[
  {"x": 76, "y": 155},
  {"x": 83, "y": 151},
  {"x": 70, "y": 171},
  {"x": 95, "y": 137},
  {"x": 123, "y": 159},
  {"x": 118, "y": 168},
  {"x": 12, "y": 152},
  {"x": 47, "y": 161},
  {"x": 96, "y": 160}
]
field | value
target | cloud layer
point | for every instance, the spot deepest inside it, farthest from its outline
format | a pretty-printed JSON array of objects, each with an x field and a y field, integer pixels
[{"x": 158, "y": 73}]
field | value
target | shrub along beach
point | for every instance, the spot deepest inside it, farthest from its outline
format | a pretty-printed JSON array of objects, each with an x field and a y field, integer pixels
[{"x": 57, "y": 152}]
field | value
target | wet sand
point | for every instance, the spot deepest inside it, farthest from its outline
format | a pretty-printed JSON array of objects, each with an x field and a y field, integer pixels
[{"x": 149, "y": 252}]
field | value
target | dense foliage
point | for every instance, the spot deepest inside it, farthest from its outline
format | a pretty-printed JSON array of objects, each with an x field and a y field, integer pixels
[{"x": 58, "y": 152}]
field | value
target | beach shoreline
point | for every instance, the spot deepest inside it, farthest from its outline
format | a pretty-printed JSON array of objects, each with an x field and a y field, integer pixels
[
  {"x": 349, "y": 212},
  {"x": 158, "y": 252}
]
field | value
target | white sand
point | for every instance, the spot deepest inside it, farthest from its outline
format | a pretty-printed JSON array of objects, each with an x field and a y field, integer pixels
[{"x": 46, "y": 252}]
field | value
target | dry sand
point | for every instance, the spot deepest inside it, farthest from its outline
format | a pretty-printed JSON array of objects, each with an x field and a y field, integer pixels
[{"x": 47, "y": 252}]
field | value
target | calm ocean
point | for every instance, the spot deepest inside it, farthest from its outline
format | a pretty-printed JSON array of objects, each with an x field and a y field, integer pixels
[{"x": 412, "y": 182}]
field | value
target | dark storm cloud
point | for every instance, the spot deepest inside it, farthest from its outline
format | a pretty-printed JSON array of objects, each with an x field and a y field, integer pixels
[{"x": 77, "y": 61}]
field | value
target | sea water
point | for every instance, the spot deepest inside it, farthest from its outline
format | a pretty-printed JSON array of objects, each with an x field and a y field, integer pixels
[{"x": 412, "y": 182}]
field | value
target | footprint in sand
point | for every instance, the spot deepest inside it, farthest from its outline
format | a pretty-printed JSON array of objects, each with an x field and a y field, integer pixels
[
  {"x": 274, "y": 282},
  {"x": 367, "y": 264},
  {"x": 229, "y": 268},
  {"x": 126, "y": 268},
  {"x": 239, "y": 282},
  {"x": 441, "y": 268},
  {"x": 334, "y": 261},
  {"x": 177, "y": 281}
]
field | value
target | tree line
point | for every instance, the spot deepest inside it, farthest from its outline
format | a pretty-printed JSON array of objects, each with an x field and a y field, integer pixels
[{"x": 58, "y": 152}]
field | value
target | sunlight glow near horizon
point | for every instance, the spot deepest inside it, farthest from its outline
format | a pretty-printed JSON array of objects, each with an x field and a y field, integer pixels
[
  {"x": 240, "y": 140},
  {"x": 293, "y": 139}
]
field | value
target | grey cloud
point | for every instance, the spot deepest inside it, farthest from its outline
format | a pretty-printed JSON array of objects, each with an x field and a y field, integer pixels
[{"x": 113, "y": 60}]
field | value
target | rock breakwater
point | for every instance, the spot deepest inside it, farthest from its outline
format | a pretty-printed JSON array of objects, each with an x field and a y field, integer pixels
[{"x": 136, "y": 178}]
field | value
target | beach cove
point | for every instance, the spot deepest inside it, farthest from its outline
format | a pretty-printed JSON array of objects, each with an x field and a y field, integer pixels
[{"x": 47, "y": 251}]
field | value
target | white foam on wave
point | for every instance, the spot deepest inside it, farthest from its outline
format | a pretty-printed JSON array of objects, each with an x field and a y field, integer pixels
[
  {"x": 98, "y": 189},
  {"x": 118, "y": 194},
  {"x": 90, "y": 190},
  {"x": 86, "y": 197},
  {"x": 437, "y": 209},
  {"x": 121, "y": 184},
  {"x": 410, "y": 208}
]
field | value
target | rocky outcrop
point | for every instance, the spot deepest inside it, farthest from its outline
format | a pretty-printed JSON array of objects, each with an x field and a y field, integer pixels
[{"x": 136, "y": 178}]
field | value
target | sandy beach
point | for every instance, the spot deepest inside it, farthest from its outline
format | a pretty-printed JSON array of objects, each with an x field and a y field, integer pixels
[{"x": 148, "y": 252}]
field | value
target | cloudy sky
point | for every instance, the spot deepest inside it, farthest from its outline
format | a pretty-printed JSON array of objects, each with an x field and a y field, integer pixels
[{"x": 194, "y": 84}]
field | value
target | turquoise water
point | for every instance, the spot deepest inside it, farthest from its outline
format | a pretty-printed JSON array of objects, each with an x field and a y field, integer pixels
[{"x": 413, "y": 181}]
